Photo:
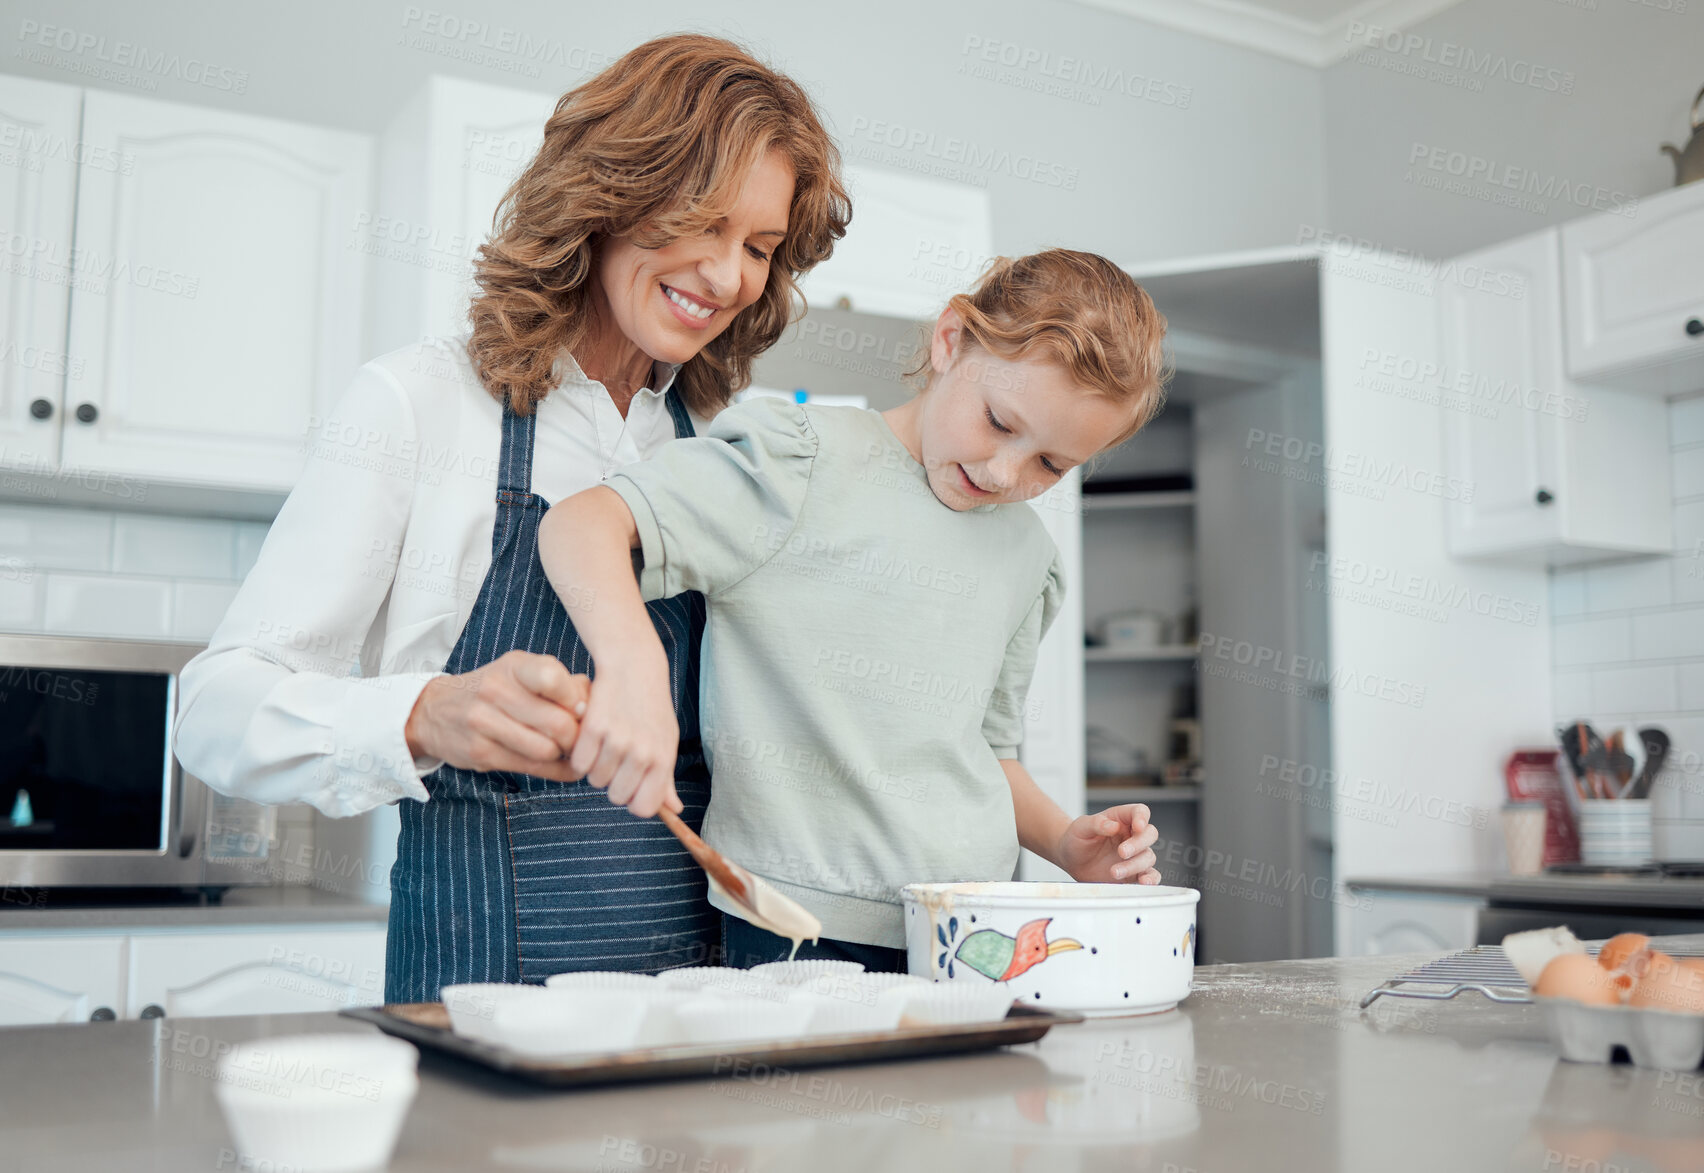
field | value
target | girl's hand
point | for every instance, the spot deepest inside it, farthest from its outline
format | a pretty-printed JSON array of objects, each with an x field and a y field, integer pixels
[
  {"x": 1114, "y": 846},
  {"x": 629, "y": 735},
  {"x": 518, "y": 713}
]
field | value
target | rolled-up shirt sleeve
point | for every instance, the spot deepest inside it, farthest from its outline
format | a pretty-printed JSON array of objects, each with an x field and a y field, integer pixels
[
  {"x": 710, "y": 510},
  {"x": 273, "y": 711}
]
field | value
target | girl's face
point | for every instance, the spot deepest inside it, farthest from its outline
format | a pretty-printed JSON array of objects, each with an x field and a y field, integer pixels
[
  {"x": 671, "y": 301},
  {"x": 991, "y": 430}
]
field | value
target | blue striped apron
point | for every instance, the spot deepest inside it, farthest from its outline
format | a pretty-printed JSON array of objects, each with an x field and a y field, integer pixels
[{"x": 505, "y": 877}]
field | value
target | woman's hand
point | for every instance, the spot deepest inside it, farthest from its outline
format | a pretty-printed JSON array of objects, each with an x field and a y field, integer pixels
[
  {"x": 519, "y": 713},
  {"x": 629, "y": 735},
  {"x": 1114, "y": 846}
]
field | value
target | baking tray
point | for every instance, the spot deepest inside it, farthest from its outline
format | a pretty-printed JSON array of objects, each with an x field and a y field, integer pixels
[{"x": 427, "y": 1024}]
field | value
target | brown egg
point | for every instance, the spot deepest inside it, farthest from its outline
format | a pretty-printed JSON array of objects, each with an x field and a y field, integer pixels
[
  {"x": 1668, "y": 984},
  {"x": 1577, "y": 976},
  {"x": 1617, "y": 951}
]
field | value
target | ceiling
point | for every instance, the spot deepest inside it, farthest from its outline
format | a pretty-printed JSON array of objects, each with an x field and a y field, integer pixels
[{"x": 1312, "y": 32}]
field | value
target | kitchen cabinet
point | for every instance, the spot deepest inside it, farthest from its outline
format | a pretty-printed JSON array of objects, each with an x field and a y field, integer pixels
[
  {"x": 1635, "y": 295},
  {"x": 218, "y": 295},
  {"x": 444, "y": 163},
  {"x": 54, "y": 977},
  {"x": 255, "y": 971},
  {"x": 1545, "y": 470},
  {"x": 1382, "y": 923},
  {"x": 913, "y": 243},
  {"x": 38, "y": 191}
]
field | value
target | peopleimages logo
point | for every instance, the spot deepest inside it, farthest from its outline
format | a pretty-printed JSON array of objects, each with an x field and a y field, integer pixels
[
  {"x": 128, "y": 55},
  {"x": 1478, "y": 169},
  {"x": 1451, "y": 55}
]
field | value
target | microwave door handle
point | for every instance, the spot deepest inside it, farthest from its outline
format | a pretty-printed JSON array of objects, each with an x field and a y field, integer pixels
[{"x": 189, "y": 798}]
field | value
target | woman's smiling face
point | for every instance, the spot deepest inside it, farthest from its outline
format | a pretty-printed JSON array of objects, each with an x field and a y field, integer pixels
[
  {"x": 671, "y": 301},
  {"x": 992, "y": 430}
]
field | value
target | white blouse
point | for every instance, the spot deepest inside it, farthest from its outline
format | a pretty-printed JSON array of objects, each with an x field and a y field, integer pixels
[{"x": 370, "y": 572}]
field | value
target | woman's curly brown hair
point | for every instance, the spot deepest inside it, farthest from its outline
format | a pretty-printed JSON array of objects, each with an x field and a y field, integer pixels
[{"x": 652, "y": 149}]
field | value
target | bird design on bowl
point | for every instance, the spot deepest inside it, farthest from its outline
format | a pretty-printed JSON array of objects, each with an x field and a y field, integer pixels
[{"x": 996, "y": 956}]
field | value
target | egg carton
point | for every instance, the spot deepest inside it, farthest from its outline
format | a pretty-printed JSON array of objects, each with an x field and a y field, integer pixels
[{"x": 1652, "y": 1037}]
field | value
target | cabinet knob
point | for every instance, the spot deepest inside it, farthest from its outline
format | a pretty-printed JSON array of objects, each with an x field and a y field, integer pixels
[
  {"x": 41, "y": 408},
  {"x": 1544, "y": 496},
  {"x": 86, "y": 413},
  {"x": 1694, "y": 327},
  {"x": 102, "y": 1014},
  {"x": 153, "y": 1010}
]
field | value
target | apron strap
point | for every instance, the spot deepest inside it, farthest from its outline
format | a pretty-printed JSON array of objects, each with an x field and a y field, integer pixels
[
  {"x": 677, "y": 412},
  {"x": 514, "y": 461},
  {"x": 515, "y": 457}
]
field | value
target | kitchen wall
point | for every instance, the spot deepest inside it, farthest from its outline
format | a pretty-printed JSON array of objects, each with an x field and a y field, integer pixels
[
  {"x": 1564, "y": 104},
  {"x": 1199, "y": 147},
  {"x": 1628, "y": 638}
]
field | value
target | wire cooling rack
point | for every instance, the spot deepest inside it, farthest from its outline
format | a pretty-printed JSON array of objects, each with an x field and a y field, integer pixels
[{"x": 1482, "y": 968}]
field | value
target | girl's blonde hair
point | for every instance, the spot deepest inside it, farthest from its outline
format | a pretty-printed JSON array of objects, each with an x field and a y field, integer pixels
[
  {"x": 1078, "y": 309},
  {"x": 654, "y": 148}
]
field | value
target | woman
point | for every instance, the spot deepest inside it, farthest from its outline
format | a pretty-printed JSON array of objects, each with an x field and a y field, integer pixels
[{"x": 643, "y": 259}]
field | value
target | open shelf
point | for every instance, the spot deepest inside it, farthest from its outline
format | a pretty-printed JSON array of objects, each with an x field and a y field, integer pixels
[
  {"x": 1178, "y": 499},
  {"x": 1097, "y": 797},
  {"x": 1139, "y": 655}
]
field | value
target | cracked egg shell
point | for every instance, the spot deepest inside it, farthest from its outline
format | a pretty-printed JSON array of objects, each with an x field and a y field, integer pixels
[{"x": 1579, "y": 977}]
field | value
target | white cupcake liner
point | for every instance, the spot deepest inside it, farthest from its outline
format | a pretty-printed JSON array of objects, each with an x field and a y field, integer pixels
[
  {"x": 835, "y": 1015},
  {"x": 949, "y": 1004},
  {"x": 723, "y": 980},
  {"x": 795, "y": 973},
  {"x": 570, "y": 1022},
  {"x": 714, "y": 1020},
  {"x": 473, "y": 1005},
  {"x": 329, "y": 1103},
  {"x": 603, "y": 979}
]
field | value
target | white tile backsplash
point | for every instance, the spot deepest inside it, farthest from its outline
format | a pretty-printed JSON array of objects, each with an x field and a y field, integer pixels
[
  {"x": 1577, "y": 642},
  {"x": 55, "y": 538},
  {"x": 20, "y": 597},
  {"x": 1689, "y": 473},
  {"x": 1621, "y": 586},
  {"x": 250, "y": 536},
  {"x": 173, "y": 546},
  {"x": 75, "y": 571},
  {"x": 1634, "y": 690},
  {"x": 84, "y": 604},
  {"x": 1567, "y": 593},
  {"x": 1686, "y": 421},
  {"x": 1627, "y": 639},
  {"x": 197, "y": 608},
  {"x": 1664, "y": 635}
]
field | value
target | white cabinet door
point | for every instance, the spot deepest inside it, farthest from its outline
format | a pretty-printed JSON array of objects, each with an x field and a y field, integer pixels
[
  {"x": 1547, "y": 470},
  {"x": 38, "y": 190},
  {"x": 444, "y": 164},
  {"x": 912, "y": 244},
  {"x": 1385, "y": 923},
  {"x": 219, "y": 302},
  {"x": 256, "y": 971},
  {"x": 1635, "y": 293},
  {"x": 1053, "y": 747},
  {"x": 60, "y": 978}
]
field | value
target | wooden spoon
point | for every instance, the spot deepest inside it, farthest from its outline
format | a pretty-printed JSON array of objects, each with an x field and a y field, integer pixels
[
  {"x": 735, "y": 880},
  {"x": 757, "y": 902}
]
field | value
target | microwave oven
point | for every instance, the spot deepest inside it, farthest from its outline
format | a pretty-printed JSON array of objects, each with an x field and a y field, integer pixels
[{"x": 91, "y": 791}]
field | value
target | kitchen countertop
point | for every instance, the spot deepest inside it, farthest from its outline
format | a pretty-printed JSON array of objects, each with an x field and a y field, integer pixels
[
  {"x": 33, "y": 909},
  {"x": 1266, "y": 1066},
  {"x": 1618, "y": 891}
]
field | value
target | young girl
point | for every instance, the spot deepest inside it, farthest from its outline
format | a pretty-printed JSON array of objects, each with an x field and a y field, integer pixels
[{"x": 876, "y": 592}]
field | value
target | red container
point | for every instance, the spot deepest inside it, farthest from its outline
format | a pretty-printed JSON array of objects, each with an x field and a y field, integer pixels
[{"x": 1532, "y": 776}]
